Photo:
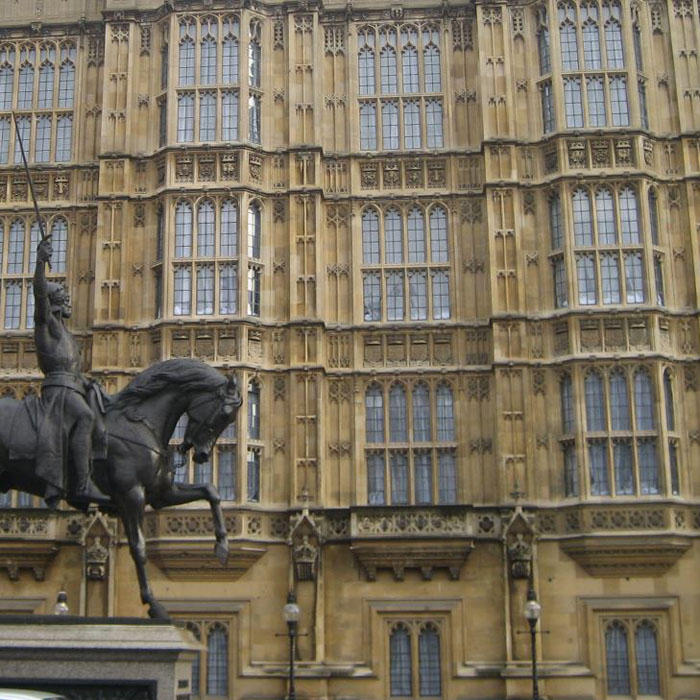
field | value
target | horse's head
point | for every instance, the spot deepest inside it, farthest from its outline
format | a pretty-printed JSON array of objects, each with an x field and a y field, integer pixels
[{"x": 209, "y": 412}]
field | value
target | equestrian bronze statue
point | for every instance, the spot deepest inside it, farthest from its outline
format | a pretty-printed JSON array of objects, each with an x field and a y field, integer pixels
[{"x": 76, "y": 443}]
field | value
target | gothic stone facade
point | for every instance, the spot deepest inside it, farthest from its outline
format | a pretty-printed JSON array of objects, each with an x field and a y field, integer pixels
[{"x": 450, "y": 248}]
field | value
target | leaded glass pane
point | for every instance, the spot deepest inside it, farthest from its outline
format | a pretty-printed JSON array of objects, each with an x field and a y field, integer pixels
[
  {"x": 13, "y": 304},
  {"x": 433, "y": 118},
  {"x": 613, "y": 45},
  {"x": 431, "y": 67},
  {"x": 605, "y": 217},
  {"x": 207, "y": 116},
  {"x": 416, "y": 236},
  {"x": 395, "y": 296},
  {"x": 618, "y": 101},
  {"x": 183, "y": 230},
  {"x": 390, "y": 125},
  {"x": 15, "y": 251},
  {"x": 583, "y": 223},
  {"x": 619, "y": 402},
  {"x": 647, "y": 657},
  {"x": 230, "y": 60},
  {"x": 598, "y": 465},
  {"x": 22, "y": 131},
  {"x": 253, "y": 291},
  {"x": 673, "y": 467},
  {"x": 202, "y": 472},
  {"x": 569, "y": 47},
  {"x": 374, "y": 415},
  {"x": 617, "y": 659},
  {"x": 228, "y": 242},
  {"x": 182, "y": 290},
  {"x": 205, "y": 229},
  {"x": 400, "y": 673},
  {"x": 205, "y": 289},
  {"x": 585, "y": 269},
  {"x": 595, "y": 93},
  {"x": 254, "y": 118},
  {"x": 629, "y": 216},
  {"x": 365, "y": 61},
  {"x": 228, "y": 289},
  {"x": 567, "y": 405},
  {"x": 429, "y": 663},
  {"x": 229, "y": 116},
  {"x": 370, "y": 237},
  {"x": 254, "y": 63},
  {"x": 45, "y": 99},
  {"x": 610, "y": 278},
  {"x": 387, "y": 67},
  {"x": 570, "y": 471},
  {"x": 4, "y": 139},
  {"x": 447, "y": 478},
  {"x": 185, "y": 118},
  {"x": 253, "y": 475},
  {"x": 207, "y": 61},
  {"x": 595, "y": 402},
  {"x": 42, "y": 144},
  {"x": 573, "y": 104},
  {"x": 399, "y": 478},
  {"x": 445, "y": 414},
  {"x": 26, "y": 87},
  {"x": 411, "y": 124},
  {"x": 418, "y": 294},
  {"x": 547, "y": 102},
  {"x": 254, "y": 411},
  {"x": 254, "y": 233},
  {"x": 441, "y": 295},
  {"x": 59, "y": 241},
  {"x": 393, "y": 237},
  {"x": 6, "y": 80},
  {"x": 624, "y": 467},
  {"x": 64, "y": 138},
  {"x": 421, "y": 413},
  {"x": 398, "y": 418},
  {"x": 648, "y": 467},
  {"x": 227, "y": 472},
  {"x": 410, "y": 69},
  {"x": 643, "y": 401},
  {"x": 372, "y": 296},
  {"x": 653, "y": 216},
  {"x": 376, "y": 490},
  {"x": 561, "y": 295},
  {"x": 438, "y": 235},
  {"x": 217, "y": 661},
  {"x": 186, "y": 67},
  {"x": 634, "y": 278},
  {"x": 555, "y": 223},
  {"x": 591, "y": 38},
  {"x": 423, "y": 476},
  {"x": 368, "y": 126},
  {"x": 668, "y": 400}
]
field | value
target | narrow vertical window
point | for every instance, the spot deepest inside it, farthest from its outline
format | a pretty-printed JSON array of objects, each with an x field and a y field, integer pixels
[
  {"x": 64, "y": 137},
  {"x": 227, "y": 472},
  {"x": 421, "y": 413},
  {"x": 598, "y": 465},
  {"x": 429, "y": 662},
  {"x": 254, "y": 56},
  {"x": 162, "y": 122},
  {"x": 25, "y": 93},
  {"x": 23, "y": 126},
  {"x": 217, "y": 661},
  {"x": 653, "y": 215},
  {"x": 441, "y": 295},
  {"x": 42, "y": 142},
  {"x": 668, "y": 401},
  {"x": 183, "y": 230},
  {"x": 445, "y": 414},
  {"x": 618, "y": 101},
  {"x": 398, "y": 418},
  {"x": 617, "y": 659},
  {"x": 591, "y": 36},
  {"x": 228, "y": 289},
  {"x": 624, "y": 467},
  {"x": 376, "y": 488},
  {"x": 253, "y": 464},
  {"x": 647, "y": 657},
  {"x": 416, "y": 236},
  {"x": 208, "y": 52},
  {"x": 186, "y": 59},
  {"x": 374, "y": 414},
  {"x": 400, "y": 672},
  {"x": 570, "y": 471},
  {"x": 164, "y": 66},
  {"x": 4, "y": 139},
  {"x": 372, "y": 296},
  {"x": 254, "y": 118},
  {"x": 253, "y": 291},
  {"x": 230, "y": 51},
  {"x": 629, "y": 216},
  {"x": 13, "y": 303},
  {"x": 567, "y": 405},
  {"x": 15, "y": 251},
  {"x": 59, "y": 240},
  {"x": 365, "y": 62},
  {"x": 619, "y": 402},
  {"x": 605, "y": 217},
  {"x": 556, "y": 231},
  {"x": 228, "y": 240},
  {"x": 66, "y": 84},
  {"x": 390, "y": 125},
  {"x": 409, "y": 58},
  {"x": 583, "y": 223},
  {"x": 643, "y": 108},
  {"x": 648, "y": 467},
  {"x": 395, "y": 296},
  {"x": 229, "y": 116},
  {"x": 613, "y": 36},
  {"x": 182, "y": 290},
  {"x": 610, "y": 278},
  {"x": 205, "y": 290},
  {"x": 45, "y": 98},
  {"x": 587, "y": 288},
  {"x": 254, "y": 230},
  {"x": 595, "y": 402},
  {"x": 561, "y": 293},
  {"x": 595, "y": 95},
  {"x": 438, "y": 235},
  {"x": 423, "y": 477},
  {"x": 643, "y": 401},
  {"x": 411, "y": 124},
  {"x": 547, "y": 103},
  {"x": 205, "y": 229},
  {"x": 399, "y": 478},
  {"x": 185, "y": 118},
  {"x": 368, "y": 126},
  {"x": 370, "y": 236},
  {"x": 254, "y": 411},
  {"x": 393, "y": 237},
  {"x": 447, "y": 478},
  {"x": 387, "y": 61},
  {"x": 418, "y": 294},
  {"x": 431, "y": 64},
  {"x": 207, "y": 116},
  {"x": 634, "y": 278},
  {"x": 567, "y": 36},
  {"x": 433, "y": 119},
  {"x": 6, "y": 81}
]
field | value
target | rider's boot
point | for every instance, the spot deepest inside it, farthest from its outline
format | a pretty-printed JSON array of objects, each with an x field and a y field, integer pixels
[{"x": 86, "y": 490}]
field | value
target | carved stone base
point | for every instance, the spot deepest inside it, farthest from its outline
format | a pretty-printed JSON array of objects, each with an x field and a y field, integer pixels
[{"x": 36, "y": 556}]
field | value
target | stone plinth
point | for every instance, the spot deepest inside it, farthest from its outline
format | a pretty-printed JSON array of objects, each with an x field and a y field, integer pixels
[{"x": 97, "y": 657}]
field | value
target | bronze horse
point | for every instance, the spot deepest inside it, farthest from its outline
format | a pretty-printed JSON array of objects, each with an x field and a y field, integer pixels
[{"x": 136, "y": 472}]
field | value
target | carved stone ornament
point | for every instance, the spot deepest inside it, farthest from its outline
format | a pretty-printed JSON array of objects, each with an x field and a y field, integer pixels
[
  {"x": 618, "y": 556},
  {"x": 96, "y": 556},
  {"x": 305, "y": 558},
  {"x": 519, "y": 540}
]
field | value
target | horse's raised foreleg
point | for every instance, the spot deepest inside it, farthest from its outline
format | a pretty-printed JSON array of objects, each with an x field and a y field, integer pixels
[
  {"x": 178, "y": 494},
  {"x": 132, "y": 508}
]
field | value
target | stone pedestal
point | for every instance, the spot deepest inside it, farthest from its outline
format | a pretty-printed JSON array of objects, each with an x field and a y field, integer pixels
[{"x": 84, "y": 658}]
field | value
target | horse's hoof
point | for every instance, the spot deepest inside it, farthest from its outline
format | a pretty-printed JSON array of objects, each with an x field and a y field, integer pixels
[
  {"x": 221, "y": 551},
  {"x": 157, "y": 611}
]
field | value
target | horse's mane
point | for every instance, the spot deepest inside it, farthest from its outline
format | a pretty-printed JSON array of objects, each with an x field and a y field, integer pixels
[{"x": 188, "y": 375}]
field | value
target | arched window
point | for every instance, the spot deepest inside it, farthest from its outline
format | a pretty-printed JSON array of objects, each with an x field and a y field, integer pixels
[
  {"x": 613, "y": 35},
  {"x": 208, "y": 51},
  {"x": 591, "y": 37},
  {"x": 393, "y": 236},
  {"x": 445, "y": 414},
  {"x": 66, "y": 78},
  {"x": 228, "y": 242},
  {"x": 6, "y": 78},
  {"x": 387, "y": 61},
  {"x": 255, "y": 55},
  {"x": 643, "y": 401},
  {"x": 647, "y": 658},
  {"x": 183, "y": 230},
  {"x": 254, "y": 118},
  {"x": 421, "y": 413},
  {"x": 15, "y": 251},
  {"x": 439, "y": 250},
  {"x": 370, "y": 236},
  {"x": 186, "y": 58},
  {"x": 431, "y": 61},
  {"x": 374, "y": 414},
  {"x": 583, "y": 224},
  {"x": 617, "y": 659},
  {"x": 205, "y": 228},
  {"x": 365, "y": 61},
  {"x": 254, "y": 410},
  {"x": 230, "y": 48},
  {"x": 605, "y": 217},
  {"x": 416, "y": 236},
  {"x": 629, "y": 216},
  {"x": 59, "y": 241},
  {"x": 254, "y": 230},
  {"x": 619, "y": 402},
  {"x": 429, "y": 667},
  {"x": 217, "y": 660},
  {"x": 46, "y": 77},
  {"x": 398, "y": 419},
  {"x": 400, "y": 666},
  {"x": 567, "y": 405},
  {"x": 567, "y": 36},
  {"x": 25, "y": 95},
  {"x": 409, "y": 59},
  {"x": 595, "y": 402}
]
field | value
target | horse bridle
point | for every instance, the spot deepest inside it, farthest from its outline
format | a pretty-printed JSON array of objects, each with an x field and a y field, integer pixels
[{"x": 204, "y": 424}]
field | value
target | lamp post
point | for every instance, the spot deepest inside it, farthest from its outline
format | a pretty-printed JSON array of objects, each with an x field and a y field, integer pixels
[
  {"x": 291, "y": 614},
  {"x": 532, "y": 611}
]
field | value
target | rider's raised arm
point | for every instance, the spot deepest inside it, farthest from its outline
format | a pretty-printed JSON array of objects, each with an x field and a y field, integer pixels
[{"x": 42, "y": 306}]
